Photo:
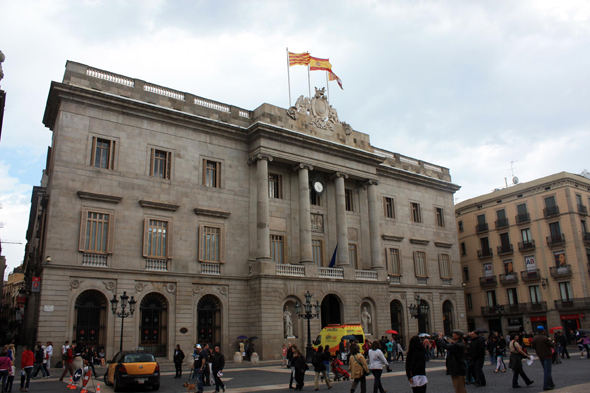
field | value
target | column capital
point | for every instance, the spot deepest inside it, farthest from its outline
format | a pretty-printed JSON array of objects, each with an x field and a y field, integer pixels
[
  {"x": 303, "y": 165},
  {"x": 369, "y": 182},
  {"x": 258, "y": 157},
  {"x": 338, "y": 174}
]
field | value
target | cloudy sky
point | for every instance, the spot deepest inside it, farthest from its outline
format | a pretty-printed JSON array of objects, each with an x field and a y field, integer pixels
[{"x": 467, "y": 85}]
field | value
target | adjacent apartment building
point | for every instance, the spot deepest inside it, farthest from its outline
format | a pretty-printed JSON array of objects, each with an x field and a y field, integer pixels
[
  {"x": 525, "y": 255},
  {"x": 218, "y": 220}
]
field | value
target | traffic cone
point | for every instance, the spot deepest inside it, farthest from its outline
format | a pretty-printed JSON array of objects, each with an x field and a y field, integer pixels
[
  {"x": 97, "y": 387},
  {"x": 84, "y": 390},
  {"x": 70, "y": 383}
]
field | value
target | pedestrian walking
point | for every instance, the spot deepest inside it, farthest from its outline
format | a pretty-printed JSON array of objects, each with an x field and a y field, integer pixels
[
  {"x": 358, "y": 369},
  {"x": 455, "y": 359},
  {"x": 583, "y": 344},
  {"x": 199, "y": 364},
  {"x": 477, "y": 355},
  {"x": 178, "y": 358},
  {"x": 5, "y": 367},
  {"x": 416, "y": 366},
  {"x": 500, "y": 351},
  {"x": 38, "y": 363},
  {"x": 317, "y": 361},
  {"x": 376, "y": 363},
  {"x": 290, "y": 355},
  {"x": 400, "y": 352},
  {"x": 68, "y": 361},
  {"x": 543, "y": 346},
  {"x": 284, "y": 352},
  {"x": 389, "y": 347},
  {"x": 517, "y": 354},
  {"x": 217, "y": 365},
  {"x": 27, "y": 359},
  {"x": 562, "y": 341},
  {"x": 49, "y": 350},
  {"x": 89, "y": 356},
  {"x": 10, "y": 379},
  {"x": 206, "y": 352},
  {"x": 300, "y": 366}
]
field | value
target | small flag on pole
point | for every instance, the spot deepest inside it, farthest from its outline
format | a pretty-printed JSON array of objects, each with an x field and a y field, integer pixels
[
  {"x": 332, "y": 77},
  {"x": 317, "y": 64},
  {"x": 299, "y": 59}
]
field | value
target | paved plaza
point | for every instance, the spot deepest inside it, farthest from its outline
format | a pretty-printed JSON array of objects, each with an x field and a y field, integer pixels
[{"x": 571, "y": 376}]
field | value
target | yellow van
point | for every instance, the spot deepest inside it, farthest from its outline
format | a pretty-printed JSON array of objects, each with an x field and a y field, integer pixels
[{"x": 331, "y": 336}]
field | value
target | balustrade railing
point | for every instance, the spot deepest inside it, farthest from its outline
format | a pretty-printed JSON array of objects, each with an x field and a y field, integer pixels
[
  {"x": 330, "y": 272},
  {"x": 95, "y": 260},
  {"x": 163, "y": 91},
  {"x": 366, "y": 275},
  {"x": 291, "y": 270},
  {"x": 156, "y": 264},
  {"x": 107, "y": 76},
  {"x": 210, "y": 268}
]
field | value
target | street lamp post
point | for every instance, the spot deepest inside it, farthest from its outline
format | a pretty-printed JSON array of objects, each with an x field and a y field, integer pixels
[
  {"x": 123, "y": 314},
  {"x": 418, "y": 310},
  {"x": 308, "y": 315}
]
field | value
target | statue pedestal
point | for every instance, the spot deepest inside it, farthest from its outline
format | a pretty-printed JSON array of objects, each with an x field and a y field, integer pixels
[
  {"x": 291, "y": 337},
  {"x": 254, "y": 360},
  {"x": 238, "y": 357}
]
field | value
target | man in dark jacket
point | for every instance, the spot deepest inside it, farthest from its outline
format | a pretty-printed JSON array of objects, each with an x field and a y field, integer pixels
[
  {"x": 455, "y": 359},
  {"x": 218, "y": 363},
  {"x": 543, "y": 346},
  {"x": 178, "y": 358},
  {"x": 477, "y": 356}
]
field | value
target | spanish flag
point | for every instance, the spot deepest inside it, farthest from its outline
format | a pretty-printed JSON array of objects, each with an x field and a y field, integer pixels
[
  {"x": 332, "y": 77},
  {"x": 317, "y": 64},
  {"x": 299, "y": 59}
]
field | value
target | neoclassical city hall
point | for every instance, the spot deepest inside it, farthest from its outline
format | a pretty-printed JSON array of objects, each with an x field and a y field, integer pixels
[{"x": 218, "y": 220}]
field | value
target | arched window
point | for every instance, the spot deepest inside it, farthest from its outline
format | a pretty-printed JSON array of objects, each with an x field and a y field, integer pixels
[
  {"x": 152, "y": 327},
  {"x": 397, "y": 317},
  {"x": 331, "y": 311},
  {"x": 448, "y": 317},
  {"x": 90, "y": 310},
  {"x": 209, "y": 320}
]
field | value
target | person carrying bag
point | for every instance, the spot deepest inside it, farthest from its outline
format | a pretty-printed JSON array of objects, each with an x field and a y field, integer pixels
[{"x": 358, "y": 369}]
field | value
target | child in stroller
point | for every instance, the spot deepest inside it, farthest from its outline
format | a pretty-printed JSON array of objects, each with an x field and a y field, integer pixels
[{"x": 339, "y": 372}]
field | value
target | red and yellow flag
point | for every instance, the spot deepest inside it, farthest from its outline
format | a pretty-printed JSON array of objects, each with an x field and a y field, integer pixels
[
  {"x": 317, "y": 64},
  {"x": 299, "y": 59},
  {"x": 332, "y": 77}
]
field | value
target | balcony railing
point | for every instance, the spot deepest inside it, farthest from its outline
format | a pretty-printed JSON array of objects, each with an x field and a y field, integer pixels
[
  {"x": 330, "y": 272},
  {"x": 576, "y": 303},
  {"x": 560, "y": 271},
  {"x": 491, "y": 281},
  {"x": 366, "y": 275},
  {"x": 514, "y": 308},
  {"x": 211, "y": 268},
  {"x": 505, "y": 249},
  {"x": 496, "y": 310},
  {"x": 526, "y": 246},
  {"x": 586, "y": 238},
  {"x": 502, "y": 223},
  {"x": 531, "y": 275},
  {"x": 508, "y": 278},
  {"x": 480, "y": 228},
  {"x": 485, "y": 253},
  {"x": 156, "y": 264},
  {"x": 523, "y": 218},
  {"x": 551, "y": 211},
  {"x": 583, "y": 210},
  {"x": 556, "y": 240},
  {"x": 534, "y": 307},
  {"x": 94, "y": 260},
  {"x": 291, "y": 270}
]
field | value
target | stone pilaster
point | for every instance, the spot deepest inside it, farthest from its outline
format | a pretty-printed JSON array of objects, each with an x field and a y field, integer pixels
[
  {"x": 376, "y": 260},
  {"x": 262, "y": 213},
  {"x": 305, "y": 251},
  {"x": 341, "y": 225}
]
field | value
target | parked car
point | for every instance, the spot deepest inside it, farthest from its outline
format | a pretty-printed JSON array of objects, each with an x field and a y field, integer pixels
[{"x": 132, "y": 368}]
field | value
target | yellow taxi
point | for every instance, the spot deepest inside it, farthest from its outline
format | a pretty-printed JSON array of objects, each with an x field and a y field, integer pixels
[{"x": 132, "y": 368}]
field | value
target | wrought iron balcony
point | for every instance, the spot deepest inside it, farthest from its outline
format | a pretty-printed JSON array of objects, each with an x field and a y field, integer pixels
[
  {"x": 508, "y": 278},
  {"x": 583, "y": 210},
  {"x": 491, "y": 281},
  {"x": 526, "y": 246},
  {"x": 514, "y": 308},
  {"x": 523, "y": 218},
  {"x": 572, "y": 304},
  {"x": 556, "y": 240},
  {"x": 586, "y": 238},
  {"x": 534, "y": 307},
  {"x": 480, "y": 228},
  {"x": 488, "y": 311},
  {"x": 551, "y": 211},
  {"x": 505, "y": 249},
  {"x": 485, "y": 253},
  {"x": 531, "y": 275},
  {"x": 561, "y": 271},
  {"x": 502, "y": 223}
]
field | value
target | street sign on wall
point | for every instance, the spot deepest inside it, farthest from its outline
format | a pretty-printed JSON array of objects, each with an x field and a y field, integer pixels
[{"x": 36, "y": 284}]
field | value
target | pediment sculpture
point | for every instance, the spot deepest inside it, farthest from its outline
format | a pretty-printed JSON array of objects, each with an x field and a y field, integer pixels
[{"x": 318, "y": 112}]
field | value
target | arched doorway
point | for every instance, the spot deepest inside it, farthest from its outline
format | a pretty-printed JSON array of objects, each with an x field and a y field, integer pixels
[
  {"x": 448, "y": 317},
  {"x": 397, "y": 321},
  {"x": 331, "y": 311},
  {"x": 424, "y": 320},
  {"x": 90, "y": 310},
  {"x": 209, "y": 320},
  {"x": 152, "y": 327}
]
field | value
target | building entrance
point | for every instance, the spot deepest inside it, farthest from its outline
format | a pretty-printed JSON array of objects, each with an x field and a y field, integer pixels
[{"x": 331, "y": 311}]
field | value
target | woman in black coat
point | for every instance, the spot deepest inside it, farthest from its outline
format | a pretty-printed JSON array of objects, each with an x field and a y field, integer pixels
[
  {"x": 178, "y": 358},
  {"x": 300, "y": 366},
  {"x": 416, "y": 365}
]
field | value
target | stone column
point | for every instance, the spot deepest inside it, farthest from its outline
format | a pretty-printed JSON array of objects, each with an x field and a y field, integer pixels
[
  {"x": 376, "y": 260},
  {"x": 341, "y": 225},
  {"x": 262, "y": 214},
  {"x": 305, "y": 251}
]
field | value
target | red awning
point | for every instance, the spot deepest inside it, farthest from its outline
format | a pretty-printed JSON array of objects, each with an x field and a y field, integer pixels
[{"x": 570, "y": 316}]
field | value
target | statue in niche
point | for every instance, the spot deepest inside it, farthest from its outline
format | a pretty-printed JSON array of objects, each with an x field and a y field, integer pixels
[
  {"x": 366, "y": 320},
  {"x": 288, "y": 323}
]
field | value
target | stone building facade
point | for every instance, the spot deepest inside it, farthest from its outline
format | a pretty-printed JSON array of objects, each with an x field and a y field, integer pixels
[
  {"x": 219, "y": 219},
  {"x": 525, "y": 255}
]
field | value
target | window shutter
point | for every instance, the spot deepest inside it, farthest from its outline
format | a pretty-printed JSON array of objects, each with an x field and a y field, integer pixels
[
  {"x": 82, "y": 239},
  {"x": 170, "y": 239},
  {"x": 112, "y": 156},
  {"x": 146, "y": 224},
  {"x": 204, "y": 172},
  {"x": 222, "y": 244},
  {"x": 168, "y": 164},
  {"x": 152, "y": 153},
  {"x": 218, "y": 172},
  {"x": 200, "y": 242},
  {"x": 93, "y": 151},
  {"x": 111, "y": 240}
]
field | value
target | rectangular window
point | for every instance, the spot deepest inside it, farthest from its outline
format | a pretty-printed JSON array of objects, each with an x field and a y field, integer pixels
[
  {"x": 555, "y": 230},
  {"x": 491, "y": 296},
  {"x": 94, "y": 232},
  {"x": 565, "y": 289},
  {"x": 317, "y": 248},
  {"x": 535, "y": 293},
  {"x": 393, "y": 263},
  {"x": 388, "y": 207},
  {"x": 277, "y": 249},
  {"x": 584, "y": 230},
  {"x": 157, "y": 239},
  {"x": 440, "y": 217},
  {"x": 211, "y": 247},
  {"x": 211, "y": 173},
  {"x": 481, "y": 219},
  {"x": 420, "y": 264},
  {"x": 460, "y": 226},
  {"x": 501, "y": 215},
  {"x": 445, "y": 266},
  {"x": 275, "y": 186},
  {"x": 521, "y": 209},
  {"x": 504, "y": 241},
  {"x": 485, "y": 245},
  {"x": 103, "y": 153},
  {"x": 314, "y": 198},
  {"x": 160, "y": 164},
  {"x": 550, "y": 201},
  {"x": 469, "y": 301},
  {"x": 526, "y": 235},
  {"x": 352, "y": 255},
  {"x": 415, "y": 212},
  {"x": 512, "y": 296},
  {"x": 463, "y": 249},
  {"x": 348, "y": 195},
  {"x": 465, "y": 274}
]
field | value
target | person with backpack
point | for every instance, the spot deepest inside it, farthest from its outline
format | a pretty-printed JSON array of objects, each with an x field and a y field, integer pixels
[
  {"x": 300, "y": 367},
  {"x": 317, "y": 361},
  {"x": 358, "y": 369},
  {"x": 38, "y": 363}
]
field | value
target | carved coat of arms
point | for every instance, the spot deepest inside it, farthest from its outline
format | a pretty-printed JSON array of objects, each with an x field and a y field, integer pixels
[{"x": 322, "y": 114}]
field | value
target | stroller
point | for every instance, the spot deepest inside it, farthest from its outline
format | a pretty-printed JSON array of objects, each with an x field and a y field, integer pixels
[{"x": 339, "y": 372}]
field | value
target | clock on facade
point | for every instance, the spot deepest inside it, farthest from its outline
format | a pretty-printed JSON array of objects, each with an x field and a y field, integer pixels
[{"x": 318, "y": 187}]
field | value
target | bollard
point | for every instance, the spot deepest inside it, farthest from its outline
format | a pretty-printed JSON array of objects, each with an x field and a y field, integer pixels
[
  {"x": 238, "y": 357},
  {"x": 254, "y": 360}
]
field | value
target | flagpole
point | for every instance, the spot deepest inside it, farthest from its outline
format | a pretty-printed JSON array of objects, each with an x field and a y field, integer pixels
[
  {"x": 308, "y": 82},
  {"x": 288, "y": 77},
  {"x": 328, "y": 86}
]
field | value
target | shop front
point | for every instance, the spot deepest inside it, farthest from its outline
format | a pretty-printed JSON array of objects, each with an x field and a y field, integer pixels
[
  {"x": 539, "y": 321},
  {"x": 570, "y": 321}
]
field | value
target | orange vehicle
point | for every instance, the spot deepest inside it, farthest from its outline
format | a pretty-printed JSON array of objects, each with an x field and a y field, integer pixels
[
  {"x": 331, "y": 336},
  {"x": 132, "y": 368}
]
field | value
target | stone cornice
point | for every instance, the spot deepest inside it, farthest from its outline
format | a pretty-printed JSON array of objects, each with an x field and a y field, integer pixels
[
  {"x": 415, "y": 178},
  {"x": 99, "y": 197},
  {"x": 422, "y": 242},
  {"x": 211, "y": 212},
  {"x": 392, "y": 238},
  {"x": 443, "y": 244},
  {"x": 159, "y": 205}
]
